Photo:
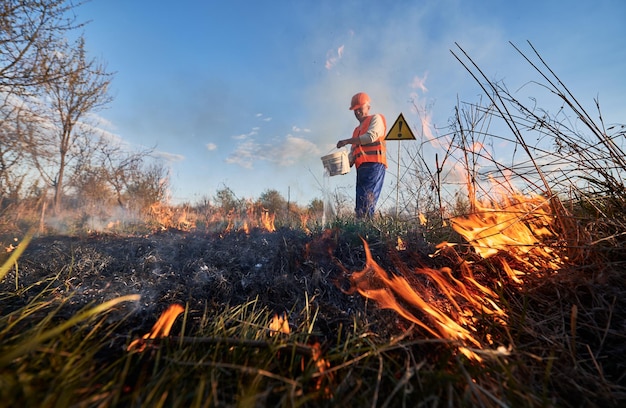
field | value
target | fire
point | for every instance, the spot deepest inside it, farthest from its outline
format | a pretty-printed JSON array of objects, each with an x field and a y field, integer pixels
[
  {"x": 160, "y": 329},
  {"x": 304, "y": 219},
  {"x": 444, "y": 302},
  {"x": 517, "y": 226},
  {"x": 463, "y": 296},
  {"x": 279, "y": 324},
  {"x": 254, "y": 217},
  {"x": 323, "y": 367},
  {"x": 171, "y": 217},
  {"x": 400, "y": 246},
  {"x": 267, "y": 221}
]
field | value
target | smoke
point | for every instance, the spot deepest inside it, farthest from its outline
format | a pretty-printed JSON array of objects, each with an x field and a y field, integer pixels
[
  {"x": 101, "y": 219},
  {"x": 419, "y": 83}
]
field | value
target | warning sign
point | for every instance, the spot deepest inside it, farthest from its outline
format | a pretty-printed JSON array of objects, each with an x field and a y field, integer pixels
[{"x": 400, "y": 130}]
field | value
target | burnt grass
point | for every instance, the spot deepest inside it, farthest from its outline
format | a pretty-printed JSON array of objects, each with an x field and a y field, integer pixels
[
  {"x": 288, "y": 270},
  {"x": 206, "y": 272}
]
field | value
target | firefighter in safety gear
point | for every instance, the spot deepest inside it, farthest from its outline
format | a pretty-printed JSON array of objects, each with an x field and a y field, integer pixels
[{"x": 368, "y": 153}]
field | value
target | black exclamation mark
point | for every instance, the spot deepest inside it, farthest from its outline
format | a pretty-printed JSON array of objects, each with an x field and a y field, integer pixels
[{"x": 400, "y": 130}]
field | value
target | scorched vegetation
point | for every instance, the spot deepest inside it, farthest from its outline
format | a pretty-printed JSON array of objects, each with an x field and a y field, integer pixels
[{"x": 512, "y": 293}]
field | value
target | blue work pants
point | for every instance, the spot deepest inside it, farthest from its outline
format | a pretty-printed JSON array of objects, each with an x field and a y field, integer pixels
[{"x": 369, "y": 183}]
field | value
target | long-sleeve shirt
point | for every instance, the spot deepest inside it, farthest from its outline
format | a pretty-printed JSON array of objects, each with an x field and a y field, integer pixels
[{"x": 375, "y": 131}]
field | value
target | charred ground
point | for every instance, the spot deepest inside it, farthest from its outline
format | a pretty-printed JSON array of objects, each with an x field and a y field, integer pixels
[
  {"x": 281, "y": 270},
  {"x": 576, "y": 353}
]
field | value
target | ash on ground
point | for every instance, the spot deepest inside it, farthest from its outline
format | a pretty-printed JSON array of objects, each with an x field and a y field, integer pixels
[{"x": 283, "y": 271}]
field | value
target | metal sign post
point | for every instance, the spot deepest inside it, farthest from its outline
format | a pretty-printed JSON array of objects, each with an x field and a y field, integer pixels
[{"x": 399, "y": 131}]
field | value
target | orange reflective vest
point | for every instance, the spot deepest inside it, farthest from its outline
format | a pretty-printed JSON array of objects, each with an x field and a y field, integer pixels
[{"x": 375, "y": 152}]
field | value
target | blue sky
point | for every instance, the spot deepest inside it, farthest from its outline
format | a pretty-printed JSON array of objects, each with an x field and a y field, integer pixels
[{"x": 250, "y": 95}]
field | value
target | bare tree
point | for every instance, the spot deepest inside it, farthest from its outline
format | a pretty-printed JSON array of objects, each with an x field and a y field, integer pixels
[
  {"x": 315, "y": 209},
  {"x": 107, "y": 174},
  {"x": 148, "y": 186},
  {"x": 114, "y": 167},
  {"x": 274, "y": 202},
  {"x": 227, "y": 201},
  {"x": 29, "y": 33},
  {"x": 11, "y": 155},
  {"x": 120, "y": 169},
  {"x": 80, "y": 90}
]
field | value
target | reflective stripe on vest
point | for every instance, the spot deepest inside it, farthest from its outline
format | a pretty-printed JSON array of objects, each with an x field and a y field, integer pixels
[{"x": 375, "y": 152}]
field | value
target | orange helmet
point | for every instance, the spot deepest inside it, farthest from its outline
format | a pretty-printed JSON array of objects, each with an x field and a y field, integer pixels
[{"x": 359, "y": 100}]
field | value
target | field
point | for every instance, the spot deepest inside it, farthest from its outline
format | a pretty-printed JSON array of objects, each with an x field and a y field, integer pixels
[
  {"x": 518, "y": 300},
  {"x": 551, "y": 338}
]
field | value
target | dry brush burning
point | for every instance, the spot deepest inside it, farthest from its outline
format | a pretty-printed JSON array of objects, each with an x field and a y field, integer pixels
[{"x": 448, "y": 303}]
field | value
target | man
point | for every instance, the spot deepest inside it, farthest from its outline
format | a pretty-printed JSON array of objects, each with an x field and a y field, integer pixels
[{"x": 368, "y": 153}]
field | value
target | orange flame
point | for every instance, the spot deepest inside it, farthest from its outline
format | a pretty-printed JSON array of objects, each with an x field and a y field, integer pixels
[
  {"x": 323, "y": 367},
  {"x": 400, "y": 246},
  {"x": 397, "y": 293},
  {"x": 254, "y": 217},
  {"x": 231, "y": 221},
  {"x": 160, "y": 329},
  {"x": 304, "y": 219},
  {"x": 448, "y": 302},
  {"x": 267, "y": 221},
  {"x": 517, "y": 226},
  {"x": 279, "y": 324},
  {"x": 171, "y": 217}
]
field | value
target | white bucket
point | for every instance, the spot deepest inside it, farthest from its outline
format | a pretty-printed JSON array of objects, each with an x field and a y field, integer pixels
[{"x": 336, "y": 163}]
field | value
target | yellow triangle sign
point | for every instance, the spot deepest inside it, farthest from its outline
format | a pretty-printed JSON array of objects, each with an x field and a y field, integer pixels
[{"x": 400, "y": 130}]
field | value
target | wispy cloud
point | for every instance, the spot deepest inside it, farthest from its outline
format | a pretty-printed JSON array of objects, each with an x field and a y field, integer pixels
[
  {"x": 333, "y": 57},
  {"x": 99, "y": 130},
  {"x": 292, "y": 150},
  {"x": 264, "y": 119},
  {"x": 285, "y": 152},
  {"x": 245, "y": 136},
  {"x": 211, "y": 146},
  {"x": 168, "y": 157},
  {"x": 296, "y": 129},
  {"x": 245, "y": 154}
]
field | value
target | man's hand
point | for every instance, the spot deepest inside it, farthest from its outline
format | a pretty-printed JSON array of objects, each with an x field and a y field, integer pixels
[{"x": 342, "y": 143}]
